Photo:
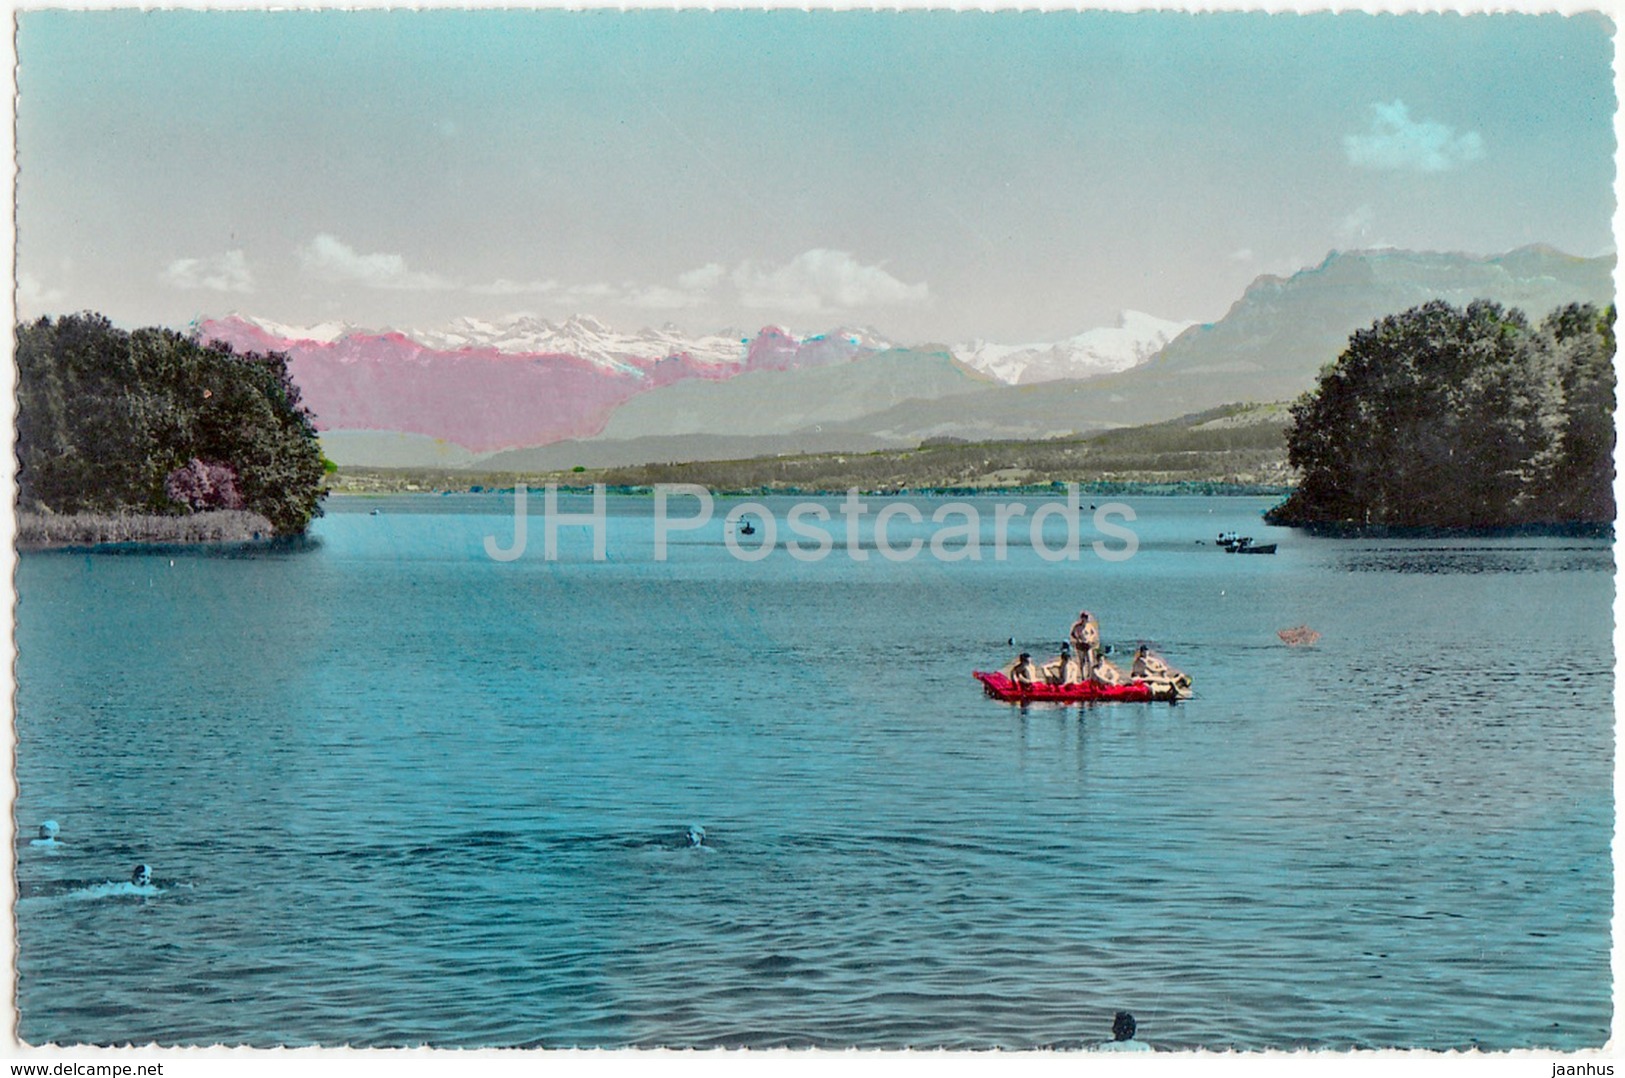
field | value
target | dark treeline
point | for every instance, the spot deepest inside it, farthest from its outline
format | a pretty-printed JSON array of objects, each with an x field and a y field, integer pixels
[
  {"x": 153, "y": 422},
  {"x": 1450, "y": 417}
]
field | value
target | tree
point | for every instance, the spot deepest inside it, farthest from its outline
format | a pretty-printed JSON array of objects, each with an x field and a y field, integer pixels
[
  {"x": 1580, "y": 342},
  {"x": 106, "y": 420},
  {"x": 1452, "y": 417},
  {"x": 200, "y": 485}
]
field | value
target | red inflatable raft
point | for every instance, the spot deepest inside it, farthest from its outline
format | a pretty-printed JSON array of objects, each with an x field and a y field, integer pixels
[{"x": 1000, "y": 687}]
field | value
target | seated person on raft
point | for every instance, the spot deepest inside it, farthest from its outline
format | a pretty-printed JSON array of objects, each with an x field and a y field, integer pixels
[
  {"x": 1149, "y": 667},
  {"x": 1109, "y": 673},
  {"x": 1061, "y": 671},
  {"x": 1023, "y": 672}
]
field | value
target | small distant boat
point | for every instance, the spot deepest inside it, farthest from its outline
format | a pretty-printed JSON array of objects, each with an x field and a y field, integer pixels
[
  {"x": 1000, "y": 687},
  {"x": 747, "y": 528},
  {"x": 1247, "y": 546}
]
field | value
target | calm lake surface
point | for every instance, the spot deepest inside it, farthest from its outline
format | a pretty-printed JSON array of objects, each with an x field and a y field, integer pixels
[{"x": 394, "y": 792}]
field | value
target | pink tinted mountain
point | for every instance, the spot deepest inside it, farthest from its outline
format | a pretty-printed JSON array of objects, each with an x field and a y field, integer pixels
[{"x": 483, "y": 398}]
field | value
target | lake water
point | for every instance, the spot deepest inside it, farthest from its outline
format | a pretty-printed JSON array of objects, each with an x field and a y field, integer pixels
[{"x": 394, "y": 792}]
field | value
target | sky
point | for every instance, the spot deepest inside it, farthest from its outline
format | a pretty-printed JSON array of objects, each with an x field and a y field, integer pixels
[{"x": 941, "y": 177}]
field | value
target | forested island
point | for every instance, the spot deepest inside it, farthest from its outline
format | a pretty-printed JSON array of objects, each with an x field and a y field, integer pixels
[
  {"x": 151, "y": 436},
  {"x": 1446, "y": 417}
]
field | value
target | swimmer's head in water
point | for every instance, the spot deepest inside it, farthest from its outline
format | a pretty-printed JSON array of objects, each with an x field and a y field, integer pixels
[
  {"x": 696, "y": 835},
  {"x": 48, "y": 829},
  {"x": 1123, "y": 1026},
  {"x": 142, "y": 876}
]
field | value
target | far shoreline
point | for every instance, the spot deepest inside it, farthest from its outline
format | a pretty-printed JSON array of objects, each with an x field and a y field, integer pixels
[{"x": 1098, "y": 488}]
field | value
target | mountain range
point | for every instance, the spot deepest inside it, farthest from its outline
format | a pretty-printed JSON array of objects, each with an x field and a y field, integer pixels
[
  {"x": 566, "y": 383},
  {"x": 522, "y": 393}
]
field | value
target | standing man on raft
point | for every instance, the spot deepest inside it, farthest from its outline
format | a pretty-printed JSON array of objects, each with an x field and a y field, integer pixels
[{"x": 1085, "y": 637}]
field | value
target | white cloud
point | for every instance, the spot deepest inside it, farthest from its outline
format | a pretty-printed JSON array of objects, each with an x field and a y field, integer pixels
[
  {"x": 33, "y": 299},
  {"x": 812, "y": 282},
  {"x": 821, "y": 280},
  {"x": 504, "y": 287},
  {"x": 221, "y": 273},
  {"x": 598, "y": 291},
  {"x": 1395, "y": 142},
  {"x": 1245, "y": 254},
  {"x": 694, "y": 288},
  {"x": 703, "y": 279},
  {"x": 328, "y": 258},
  {"x": 659, "y": 297}
]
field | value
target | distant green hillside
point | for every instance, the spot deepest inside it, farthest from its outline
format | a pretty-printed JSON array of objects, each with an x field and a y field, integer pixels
[{"x": 1234, "y": 446}]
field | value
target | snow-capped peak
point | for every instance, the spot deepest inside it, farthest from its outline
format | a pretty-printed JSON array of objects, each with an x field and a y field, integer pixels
[
  {"x": 1105, "y": 350},
  {"x": 322, "y": 332}
]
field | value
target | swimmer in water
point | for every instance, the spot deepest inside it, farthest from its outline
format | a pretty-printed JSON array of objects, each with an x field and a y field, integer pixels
[
  {"x": 1123, "y": 1027},
  {"x": 47, "y": 835},
  {"x": 142, "y": 876},
  {"x": 696, "y": 836}
]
